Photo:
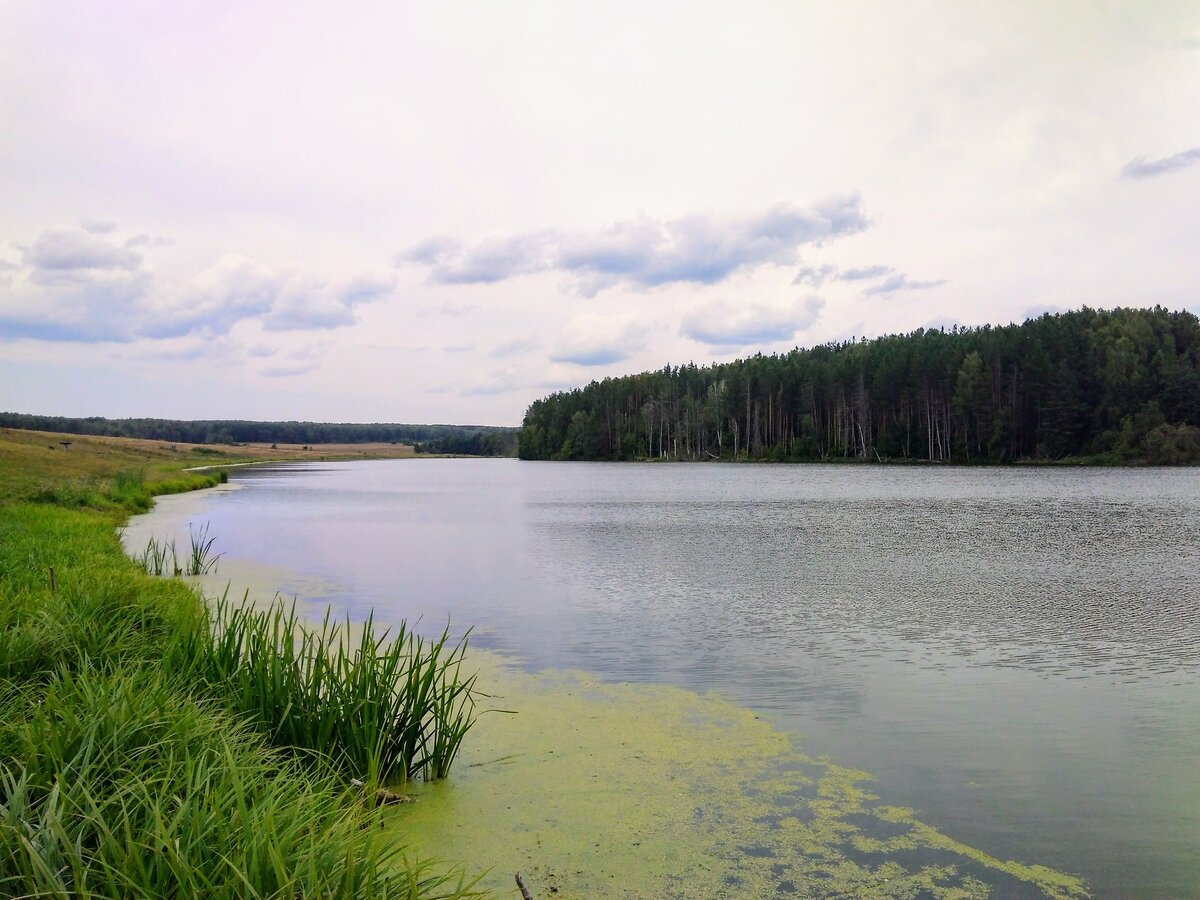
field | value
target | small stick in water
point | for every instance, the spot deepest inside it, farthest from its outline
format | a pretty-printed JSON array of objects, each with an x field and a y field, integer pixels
[{"x": 524, "y": 890}]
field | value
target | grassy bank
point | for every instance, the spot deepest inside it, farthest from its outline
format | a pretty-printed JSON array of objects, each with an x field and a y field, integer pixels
[{"x": 150, "y": 746}]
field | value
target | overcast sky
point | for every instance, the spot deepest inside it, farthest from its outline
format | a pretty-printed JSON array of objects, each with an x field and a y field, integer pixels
[{"x": 439, "y": 212}]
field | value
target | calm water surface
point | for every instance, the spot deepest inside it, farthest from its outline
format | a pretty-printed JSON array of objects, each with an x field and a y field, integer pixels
[{"x": 1014, "y": 653}]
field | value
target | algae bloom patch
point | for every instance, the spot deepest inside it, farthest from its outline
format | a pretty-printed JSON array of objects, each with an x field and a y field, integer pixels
[{"x": 617, "y": 790}]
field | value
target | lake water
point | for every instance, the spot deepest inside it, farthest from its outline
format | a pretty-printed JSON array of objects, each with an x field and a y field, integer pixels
[{"x": 1015, "y": 653}]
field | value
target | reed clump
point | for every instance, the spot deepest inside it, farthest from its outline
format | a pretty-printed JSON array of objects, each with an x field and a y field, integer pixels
[
  {"x": 162, "y": 559},
  {"x": 383, "y": 706},
  {"x": 159, "y": 558}
]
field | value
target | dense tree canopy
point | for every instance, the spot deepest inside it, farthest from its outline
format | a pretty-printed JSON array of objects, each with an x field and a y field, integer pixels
[
  {"x": 243, "y": 432},
  {"x": 1118, "y": 386},
  {"x": 494, "y": 442}
]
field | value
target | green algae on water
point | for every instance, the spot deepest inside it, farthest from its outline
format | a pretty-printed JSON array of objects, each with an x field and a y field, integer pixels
[{"x": 601, "y": 790}]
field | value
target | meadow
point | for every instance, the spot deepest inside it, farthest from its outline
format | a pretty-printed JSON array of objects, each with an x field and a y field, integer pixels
[{"x": 155, "y": 744}]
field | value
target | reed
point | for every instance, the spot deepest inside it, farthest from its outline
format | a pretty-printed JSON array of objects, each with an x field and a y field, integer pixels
[
  {"x": 202, "y": 560},
  {"x": 381, "y": 706},
  {"x": 153, "y": 559}
]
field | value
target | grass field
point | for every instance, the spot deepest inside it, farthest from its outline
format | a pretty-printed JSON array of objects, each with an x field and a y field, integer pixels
[
  {"x": 34, "y": 460},
  {"x": 142, "y": 751}
]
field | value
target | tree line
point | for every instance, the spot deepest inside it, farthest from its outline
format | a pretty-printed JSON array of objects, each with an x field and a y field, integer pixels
[
  {"x": 1118, "y": 386},
  {"x": 236, "y": 431},
  {"x": 495, "y": 442}
]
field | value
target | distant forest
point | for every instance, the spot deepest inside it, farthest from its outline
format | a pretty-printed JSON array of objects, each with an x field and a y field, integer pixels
[
  {"x": 492, "y": 442},
  {"x": 1117, "y": 386},
  {"x": 484, "y": 439}
]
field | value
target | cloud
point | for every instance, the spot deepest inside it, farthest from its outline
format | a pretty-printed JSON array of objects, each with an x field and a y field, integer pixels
[
  {"x": 492, "y": 260},
  {"x": 1036, "y": 312},
  {"x": 431, "y": 250},
  {"x": 75, "y": 284},
  {"x": 503, "y": 384},
  {"x": 814, "y": 276},
  {"x": 80, "y": 302},
  {"x": 942, "y": 323},
  {"x": 865, "y": 273},
  {"x": 1143, "y": 167},
  {"x": 510, "y": 380},
  {"x": 448, "y": 308},
  {"x": 233, "y": 289},
  {"x": 147, "y": 240},
  {"x": 726, "y": 325},
  {"x": 595, "y": 340},
  {"x": 98, "y": 226},
  {"x": 901, "y": 282},
  {"x": 221, "y": 350},
  {"x": 644, "y": 252},
  {"x": 69, "y": 254},
  {"x": 515, "y": 347},
  {"x": 288, "y": 370},
  {"x": 458, "y": 348},
  {"x": 305, "y": 303},
  {"x": 299, "y": 361}
]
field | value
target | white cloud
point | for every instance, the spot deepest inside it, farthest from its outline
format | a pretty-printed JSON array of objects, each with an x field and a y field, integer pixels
[
  {"x": 722, "y": 324},
  {"x": 70, "y": 254},
  {"x": 304, "y": 303},
  {"x": 448, "y": 308},
  {"x": 1036, "y": 312},
  {"x": 1144, "y": 167},
  {"x": 515, "y": 347},
  {"x": 98, "y": 226},
  {"x": 645, "y": 252},
  {"x": 297, "y": 361},
  {"x": 75, "y": 284},
  {"x": 815, "y": 276},
  {"x": 901, "y": 282},
  {"x": 288, "y": 370},
  {"x": 865, "y": 273},
  {"x": 233, "y": 289},
  {"x": 589, "y": 339},
  {"x": 504, "y": 381}
]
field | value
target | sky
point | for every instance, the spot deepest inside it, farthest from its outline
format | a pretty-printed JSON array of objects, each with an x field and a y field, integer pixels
[{"x": 440, "y": 212}]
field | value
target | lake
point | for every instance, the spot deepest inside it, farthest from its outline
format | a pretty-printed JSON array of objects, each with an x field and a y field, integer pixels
[{"x": 1012, "y": 652}]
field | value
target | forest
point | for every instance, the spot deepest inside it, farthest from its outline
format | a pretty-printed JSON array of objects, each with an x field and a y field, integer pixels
[
  {"x": 1119, "y": 386},
  {"x": 233, "y": 431},
  {"x": 493, "y": 442}
]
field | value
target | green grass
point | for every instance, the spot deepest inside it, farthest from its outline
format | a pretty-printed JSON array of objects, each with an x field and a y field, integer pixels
[
  {"x": 130, "y": 765},
  {"x": 382, "y": 707}
]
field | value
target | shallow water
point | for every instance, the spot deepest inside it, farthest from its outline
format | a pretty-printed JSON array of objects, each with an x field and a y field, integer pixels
[{"x": 1012, "y": 653}]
